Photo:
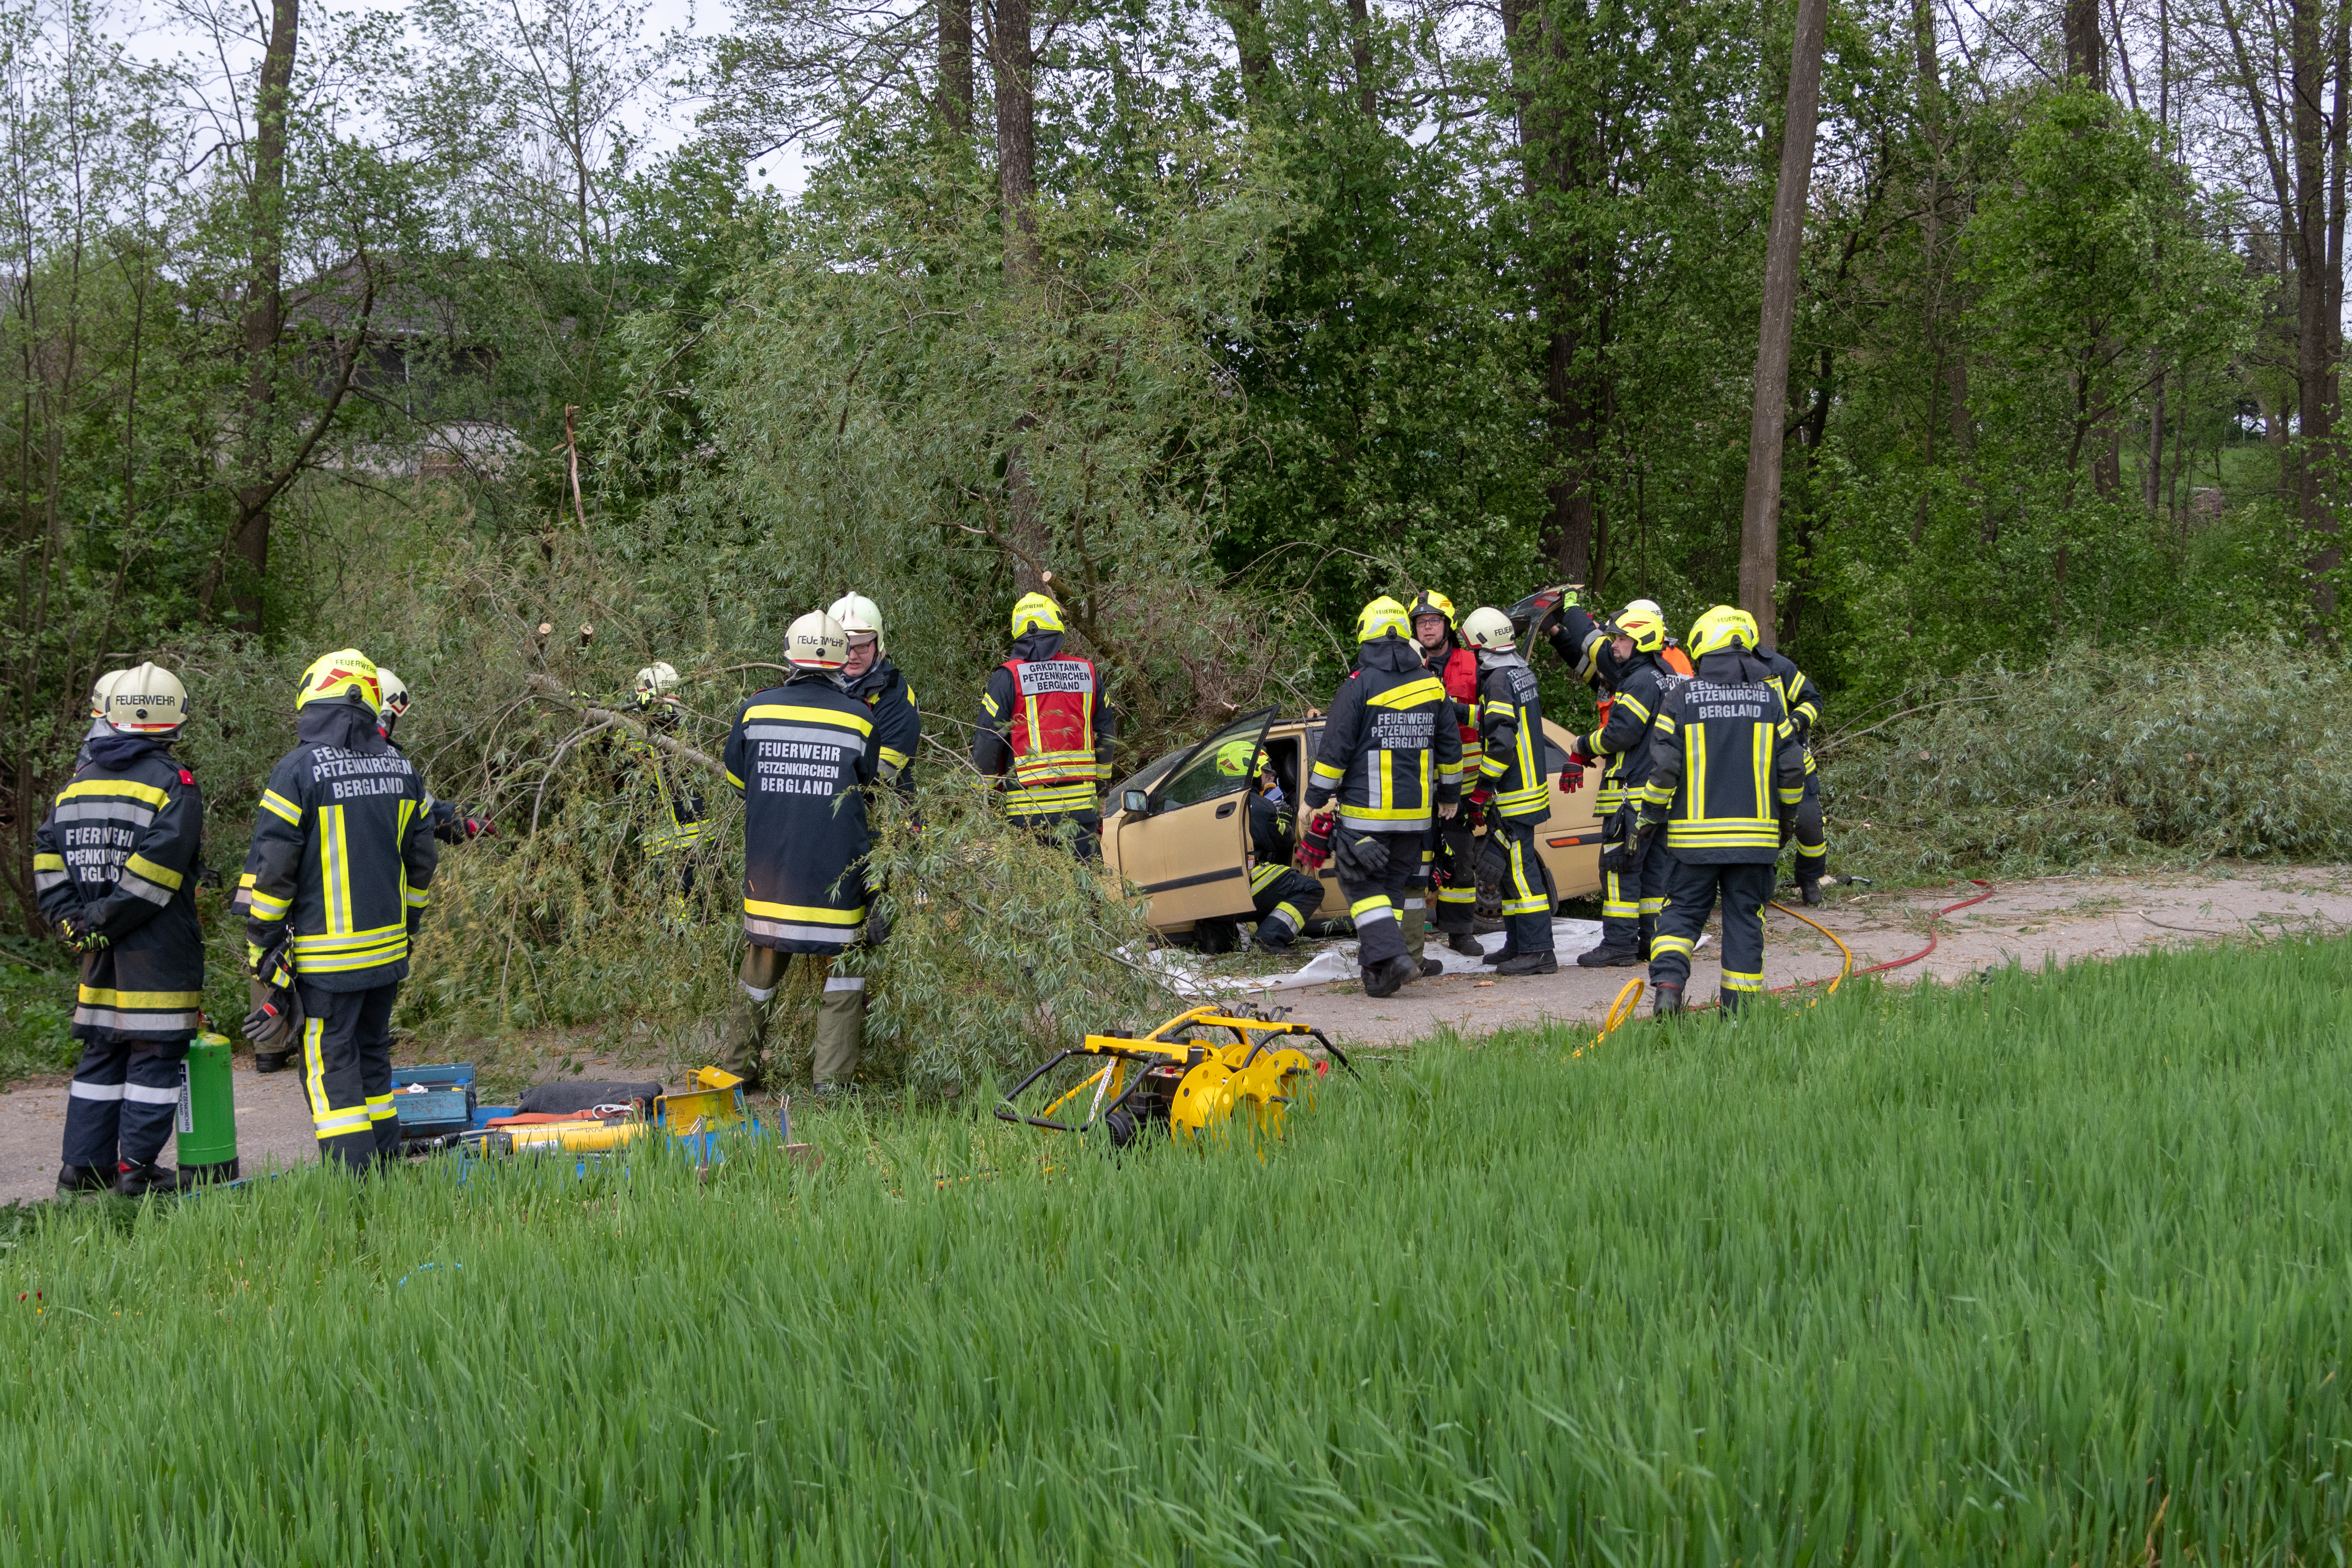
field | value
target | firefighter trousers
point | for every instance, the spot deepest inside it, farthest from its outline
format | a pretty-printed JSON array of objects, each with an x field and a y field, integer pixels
[
  {"x": 347, "y": 1072},
  {"x": 1691, "y": 893},
  {"x": 1527, "y": 900},
  {"x": 1286, "y": 903},
  {"x": 120, "y": 1104},
  {"x": 1086, "y": 843},
  {"x": 1632, "y": 901},
  {"x": 1376, "y": 904},
  {"x": 1412, "y": 914},
  {"x": 1457, "y": 902},
  {"x": 840, "y": 1032},
  {"x": 1812, "y": 842}
]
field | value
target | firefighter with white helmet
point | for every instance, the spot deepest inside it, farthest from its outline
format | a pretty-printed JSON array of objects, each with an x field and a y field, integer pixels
[
  {"x": 1513, "y": 790},
  {"x": 1045, "y": 728},
  {"x": 870, "y": 677},
  {"x": 803, "y": 755},
  {"x": 115, "y": 864},
  {"x": 677, "y": 827},
  {"x": 99, "y": 727},
  {"x": 342, "y": 859}
]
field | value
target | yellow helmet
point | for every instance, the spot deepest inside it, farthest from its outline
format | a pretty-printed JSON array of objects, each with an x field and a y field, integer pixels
[
  {"x": 1430, "y": 602},
  {"x": 1242, "y": 759},
  {"x": 147, "y": 699},
  {"x": 1382, "y": 617},
  {"x": 347, "y": 672},
  {"x": 1037, "y": 613},
  {"x": 1645, "y": 623},
  {"x": 1721, "y": 627}
]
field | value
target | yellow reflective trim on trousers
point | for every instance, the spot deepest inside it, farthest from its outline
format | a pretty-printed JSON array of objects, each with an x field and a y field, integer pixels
[
  {"x": 278, "y": 806},
  {"x": 1733, "y": 981},
  {"x": 114, "y": 789},
  {"x": 798, "y": 715},
  {"x": 94, "y": 996},
  {"x": 1527, "y": 900},
  {"x": 1264, "y": 876},
  {"x": 1376, "y": 907},
  {"x": 804, "y": 914},
  {"x": 381, "y": 1109},
  {"x": 314, "y": 1066},
  {"x": 1663, "y": 943}
]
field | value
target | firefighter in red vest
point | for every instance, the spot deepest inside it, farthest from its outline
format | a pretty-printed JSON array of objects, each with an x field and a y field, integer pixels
[
  {"x": 1045, "y": 730},
  {"x": 1435, "y": 628}
]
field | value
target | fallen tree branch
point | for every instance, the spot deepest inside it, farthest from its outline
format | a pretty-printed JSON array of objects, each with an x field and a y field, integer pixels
[{"x": 547, "y": 685}]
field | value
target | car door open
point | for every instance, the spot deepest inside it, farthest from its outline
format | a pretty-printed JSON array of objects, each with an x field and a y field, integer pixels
[{"x": 1185, "y": 841}]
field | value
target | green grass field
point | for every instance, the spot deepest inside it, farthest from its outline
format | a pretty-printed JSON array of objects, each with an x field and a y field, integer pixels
[{"x": 2048, "y": 1268}]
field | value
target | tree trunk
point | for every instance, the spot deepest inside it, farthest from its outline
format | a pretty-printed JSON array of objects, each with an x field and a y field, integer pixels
[
  {"x": 1012, "y": 58},
  {"x": 1251, "y": 47},
  {"x": 955, "y": 66},
  {"x": 2086, "y": 48},
  {"x": 1360, "y": 46},
  {"x": 264, "y": 306},
  {"x": 1759, "y": 542},
  {"x": 2314, "y": 333}
]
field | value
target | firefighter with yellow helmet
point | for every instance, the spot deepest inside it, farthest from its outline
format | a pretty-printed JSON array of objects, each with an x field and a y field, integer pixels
[
  {"x": 1284, "y": 896},
  {"x": 1630, "y": 653},
  {"x": 342, "y": 858},
  {"x": 1045, "y": 730},
  {"x": 115, "y": 864},
  {"x": 803, "y": 753},
  {"x": 1727, "y": 770}
]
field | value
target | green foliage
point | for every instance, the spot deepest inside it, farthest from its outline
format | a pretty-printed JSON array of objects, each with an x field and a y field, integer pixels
[
  {"x": 2037, "y": 1270},
  {"x": 35, "y": 1007}
]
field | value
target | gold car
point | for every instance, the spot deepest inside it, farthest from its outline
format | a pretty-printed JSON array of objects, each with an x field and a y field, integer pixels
[{"x": 1180, "y": 828}]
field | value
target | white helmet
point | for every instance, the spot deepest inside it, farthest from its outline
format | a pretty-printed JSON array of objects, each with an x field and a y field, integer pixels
[
  {"x": 654, "y": 681},
  {"x": 147, "y": 700},
  {"x": 394, "y": 691},
  {"x": 860, "y": 616},
  {"x": 97, "y": 691},
  {"x": 817, "y": 641},
  {"x": 1489, "y": 628}
]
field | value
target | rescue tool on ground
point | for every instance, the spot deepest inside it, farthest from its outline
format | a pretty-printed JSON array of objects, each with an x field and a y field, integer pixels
[{"x": 1199, "y": 1073}]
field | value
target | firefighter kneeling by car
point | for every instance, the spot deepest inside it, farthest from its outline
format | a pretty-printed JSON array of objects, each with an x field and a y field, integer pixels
[
  {"x": 1726, "y": 766},
  {"x": 1391, "y": 750},
  {"x": 803, "y": 755},
  {"x": 1284, "y": 896}
]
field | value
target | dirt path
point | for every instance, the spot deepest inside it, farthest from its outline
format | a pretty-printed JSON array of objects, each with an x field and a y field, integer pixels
[{"x": 2060, "y": 919}]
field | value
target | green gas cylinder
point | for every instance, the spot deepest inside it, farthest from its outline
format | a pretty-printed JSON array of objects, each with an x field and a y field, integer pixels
[{"x": 207, "y": 1123}]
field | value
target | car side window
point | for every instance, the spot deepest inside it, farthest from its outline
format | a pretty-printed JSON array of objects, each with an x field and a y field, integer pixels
[{"x": 1202, "y": 779}]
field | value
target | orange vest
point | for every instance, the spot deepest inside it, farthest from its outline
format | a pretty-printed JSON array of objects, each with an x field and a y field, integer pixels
[
  {"x": 1676, "y": 660},
  {"x": 1053, "y": 734}
]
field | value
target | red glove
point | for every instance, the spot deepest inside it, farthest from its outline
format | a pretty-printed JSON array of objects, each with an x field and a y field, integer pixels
[
  {"x": 1480, "y": 796},
  {"x": 478, "y": 827},
  {"x": 1315, "y": 844},
  {"x": 1571, "y": 778}
]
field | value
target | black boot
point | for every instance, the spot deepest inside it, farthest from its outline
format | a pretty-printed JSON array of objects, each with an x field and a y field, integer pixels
[
  {"x": 1544, "y": 963},
  {"x": 80, "y": 1181},
  {"x": 1615, "y": 952},
  {"x": 1811, "y": 890},
  {"x": 1502, "y": 954},
  {"x": 1272, "y": 938},
  {"x": 1431, "y": 968},
  {"x": 136, "y": 1179},
  {"x": 270, "y": 1061},
  {"x": 1463, "y": 942},
  {"x": 1666, "y": 1000},
  {"x": 1386, "y": 979},
  {"x": 1727, "y": 1003}
]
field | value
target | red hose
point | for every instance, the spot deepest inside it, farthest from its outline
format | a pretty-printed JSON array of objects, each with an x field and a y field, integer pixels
[{"x": 1953, "y": 909}]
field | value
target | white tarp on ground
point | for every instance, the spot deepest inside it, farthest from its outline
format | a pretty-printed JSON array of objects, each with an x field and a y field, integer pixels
[{"x": 1569, "y": 938}]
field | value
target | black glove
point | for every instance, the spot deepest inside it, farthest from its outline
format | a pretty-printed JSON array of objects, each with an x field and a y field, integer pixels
[
  {"x": 78, "y": 935},
  {"x": 878, "y": 930},
  {"x": 1363, "y": 858},
  {"x": 276, "y": 1016}
]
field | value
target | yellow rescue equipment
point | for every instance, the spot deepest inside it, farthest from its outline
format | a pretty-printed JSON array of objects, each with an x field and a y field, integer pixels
[{"x": 1201, "y": 1072}]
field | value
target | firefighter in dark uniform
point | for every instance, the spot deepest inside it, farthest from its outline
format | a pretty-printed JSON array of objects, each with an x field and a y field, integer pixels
[
  {"x": 1284, "y": 898},
  {"x": 1045, "y": 728},
  {"x": 803, "y": 755},
  {"x": 676, "y": 830},
  {"x": 871, "y": 677},
  {"x": 1638, "y": 679},
  {"x": 1391, "y": 751},
  {"x": 342, "y": 855},
  {"x": 1803, "y": 701},
  {"x": 114, "y": 870},
  {"x": 1456, "y": 894},
  {"x": 1513, "y": 791},
  {"x": 1726, "y": 770}
]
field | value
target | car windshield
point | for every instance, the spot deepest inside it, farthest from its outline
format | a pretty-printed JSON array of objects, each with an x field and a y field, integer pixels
[
  {"x": 1145, "y": 777},
  {"x": 1202, "y": 779}
]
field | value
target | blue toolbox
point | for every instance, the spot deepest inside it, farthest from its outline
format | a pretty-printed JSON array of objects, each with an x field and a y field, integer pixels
[{"x": 434, "y": 1101}]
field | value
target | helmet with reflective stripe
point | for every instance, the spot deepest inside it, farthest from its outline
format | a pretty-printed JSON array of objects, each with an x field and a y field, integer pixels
[
  {"x": 1645, "y": 623},
  {"x": 1242, "y": 759},
  {"x": 97, "y": 691},
  {"x": 1382, "y": 617},
  {"x": 657, "y": 682},
  {"x": 393, "y": 690},
  {"x": 345, "y": 673},
  {"x": 1036, "y": 612},
  {"x": 146, "y": 699},
  {"x": 1488, "y": 628},
  {"x": 860, "y": 617},
  {"x": 1429, "y": 601},
  {"x": 1726, "y": 625},
  {"x": 817, "y": 641}
]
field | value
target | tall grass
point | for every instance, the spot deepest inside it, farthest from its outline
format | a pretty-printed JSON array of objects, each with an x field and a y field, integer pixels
[{"x": 2047, "y": 1268}]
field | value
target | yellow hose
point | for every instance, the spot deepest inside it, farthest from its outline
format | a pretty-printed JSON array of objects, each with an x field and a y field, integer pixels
[
  {"x": 1630, "y": 996},
  {"x": 1844, "y": 971}
]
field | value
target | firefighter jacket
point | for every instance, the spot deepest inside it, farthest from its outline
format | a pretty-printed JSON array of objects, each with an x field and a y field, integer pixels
[
  {"x": 342, "y": 853},
  {"x": 1270, "y": 824},
  {"x": 119, "y": 850},
  {"x": 1046, "y": 722},
  {"x": 1724, "y": 761},
  {"x": 1457, "y": 670},
  {"x": 1627, "y": 719},
  {"x": 802, "y": 753},
  {"x": 1583, "y": 645},
  {"x": 1391, "y": 745},
  {"x": 677, "y": 826},
  {"x": 1798, "y": 694},
  {"x": 1510, "y": 723},
  {"x": 897, "y": 722}
]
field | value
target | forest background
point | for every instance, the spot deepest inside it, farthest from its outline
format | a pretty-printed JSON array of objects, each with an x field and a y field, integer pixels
[{"x": 415, "y": 330}]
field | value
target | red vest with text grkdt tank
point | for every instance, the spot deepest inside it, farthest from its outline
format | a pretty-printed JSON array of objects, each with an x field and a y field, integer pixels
[{"x": 1053, "y": 731}]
